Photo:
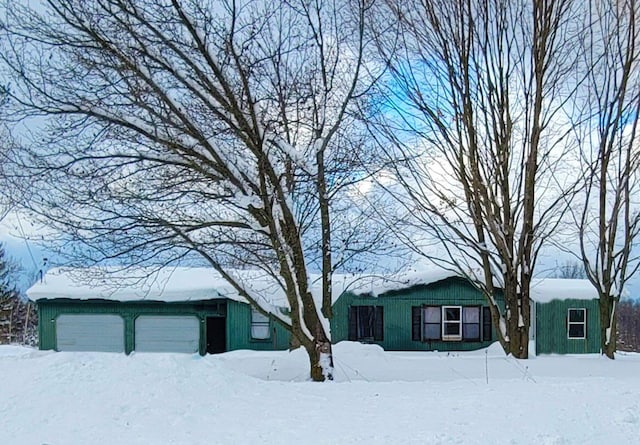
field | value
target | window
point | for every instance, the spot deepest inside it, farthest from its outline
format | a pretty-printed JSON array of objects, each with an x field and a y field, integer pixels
[
  {"x": 432, "y": 317},
  {"x": 577, "y": 323},
  {"x": 471, "y": 323},
  {"x": 259, "y": 325},
  {"x": 366, "y": 323},
  {"x": 450, "y": 323}
]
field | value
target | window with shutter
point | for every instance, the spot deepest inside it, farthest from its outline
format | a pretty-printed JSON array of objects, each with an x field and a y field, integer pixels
[
  {"x": 450, "y": 323},
  {"x": 366, "y": 323}
]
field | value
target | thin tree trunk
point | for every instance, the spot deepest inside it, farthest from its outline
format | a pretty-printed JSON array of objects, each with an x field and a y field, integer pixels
[
  {"x": 320, "y": 356},
  {"x": 608, "y": 326}
]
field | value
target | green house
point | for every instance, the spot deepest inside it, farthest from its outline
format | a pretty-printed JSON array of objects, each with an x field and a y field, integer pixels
[
  {"x": 191, "y": 310},
  {"x": 449, "y": 314},
  {"x": 186, "y": 311}
]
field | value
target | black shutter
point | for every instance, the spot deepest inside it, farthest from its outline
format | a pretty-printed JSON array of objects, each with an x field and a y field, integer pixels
[
  {"x": 486, "y": 324},
  {"x": 378, "y": 332},
  {"x": 353, "y": 323},
  {"x": 416, "y": 323}
]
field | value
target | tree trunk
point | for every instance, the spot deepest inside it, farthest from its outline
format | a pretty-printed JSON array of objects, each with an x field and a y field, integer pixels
[
  {"x": 517, "y": 330},
  {"x": 319, "y": 346},
  {"x": 608, "y": 323},
  {"x": 321, "y": 360},
  {"x": 519, "y": 345}
]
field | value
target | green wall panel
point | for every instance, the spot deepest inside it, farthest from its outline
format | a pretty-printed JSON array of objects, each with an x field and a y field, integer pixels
[
  {"x": 239, "y": 330},
  {"x": 551, "y": 322}
]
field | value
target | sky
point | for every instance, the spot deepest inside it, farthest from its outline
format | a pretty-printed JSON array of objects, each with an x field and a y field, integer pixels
[{"x": 15, "y": 233}]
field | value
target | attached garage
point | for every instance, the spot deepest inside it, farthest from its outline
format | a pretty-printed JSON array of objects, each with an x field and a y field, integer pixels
[
  {"x": 185, "y": 311},
  {"x": 90, "y": 332},
  {"x": 159, "y": 333}
]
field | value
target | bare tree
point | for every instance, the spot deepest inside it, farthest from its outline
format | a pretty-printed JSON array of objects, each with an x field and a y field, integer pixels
[
  {"x": 5, "y": 146},
  {"x": 8, "y": 294},
  {"x": 18, "y": 318},
  {"x": 5, "y": 194},
  {"x": 606, "y": 121},
  {"x": 219, "y": 128},
  {"x": 472, "y": 120},
  {"x": 628, "y": 324},
  {"x": 571, "y": 270}
]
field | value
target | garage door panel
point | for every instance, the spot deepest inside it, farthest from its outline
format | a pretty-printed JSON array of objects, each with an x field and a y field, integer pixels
[
  {"x": 90, "y": 332},
  {"x": 167, "y": 333}
]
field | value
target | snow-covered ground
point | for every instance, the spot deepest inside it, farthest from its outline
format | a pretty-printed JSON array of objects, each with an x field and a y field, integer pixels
[{"x": 249, "y": 397}]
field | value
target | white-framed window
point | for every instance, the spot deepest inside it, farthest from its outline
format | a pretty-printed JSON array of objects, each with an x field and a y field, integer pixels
[
  {"x": 259, "y": 325},
  {"x": 577, "y": 323},
  {"x": 452, "y": 323}
]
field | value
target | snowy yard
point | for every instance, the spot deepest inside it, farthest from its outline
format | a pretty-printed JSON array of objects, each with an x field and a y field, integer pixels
[{"x": 250, "y": 397}]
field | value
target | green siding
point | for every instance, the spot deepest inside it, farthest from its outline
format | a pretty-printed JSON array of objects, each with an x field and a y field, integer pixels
[
  {"x": 551, "y": 328},
  {"x": 239, "y": 330},
  {"x": 397, "y": 314},
  {"x": 238, "y": 320}
]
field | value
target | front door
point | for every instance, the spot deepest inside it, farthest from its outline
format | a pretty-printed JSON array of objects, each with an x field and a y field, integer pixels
[{"x": 216, "y": 335}]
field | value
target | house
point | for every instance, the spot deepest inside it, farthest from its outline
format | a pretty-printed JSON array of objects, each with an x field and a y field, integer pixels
[
  {"x": 445, "y": 312},
  {"x": 194, "y": 310},
  {"x": 169, "y": 310}
]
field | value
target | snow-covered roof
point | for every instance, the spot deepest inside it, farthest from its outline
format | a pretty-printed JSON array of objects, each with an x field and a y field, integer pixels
[
  {"x": 173, "y": 284},
  {"x": 170, "y": 284},
  {"x": 543, "y": 290},
  {"x": 378, "y": 285}
]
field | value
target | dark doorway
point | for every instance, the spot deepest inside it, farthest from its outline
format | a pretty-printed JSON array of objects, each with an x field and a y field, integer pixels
[{"x": 216, "y": 337}]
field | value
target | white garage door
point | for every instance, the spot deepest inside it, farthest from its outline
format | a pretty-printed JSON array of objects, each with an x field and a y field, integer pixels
[
  {"x": 157, "y": 333},
  {"x": 90, "y": 332}
]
